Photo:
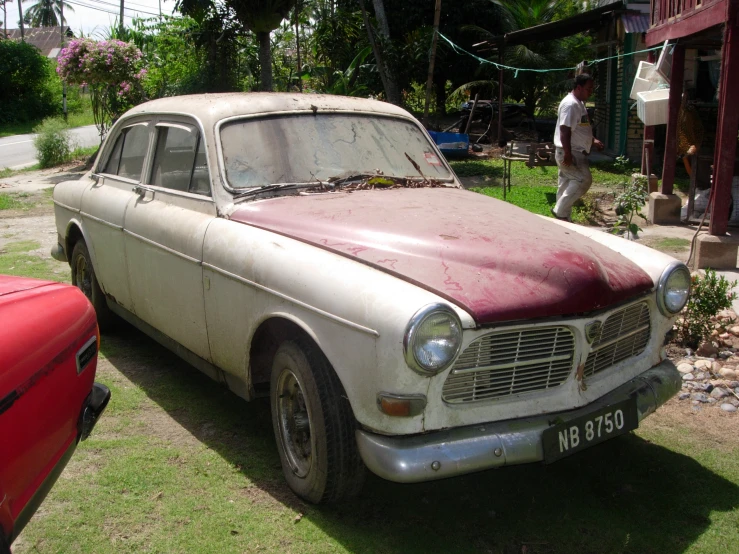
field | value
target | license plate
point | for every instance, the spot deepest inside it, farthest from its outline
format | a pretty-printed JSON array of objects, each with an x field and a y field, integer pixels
[{"x": 582, "y": 432}]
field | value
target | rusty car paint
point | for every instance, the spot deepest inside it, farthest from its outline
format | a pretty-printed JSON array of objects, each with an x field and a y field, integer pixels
[{"x": 498, "y": 267}]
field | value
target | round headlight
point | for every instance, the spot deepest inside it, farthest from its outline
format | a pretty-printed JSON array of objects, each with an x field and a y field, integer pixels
[
  {"x": 673, "y": 289},
  {"x": 432, "y": 339}
]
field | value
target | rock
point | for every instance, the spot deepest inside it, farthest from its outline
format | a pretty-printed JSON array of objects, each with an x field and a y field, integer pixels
[
  {"x": 734, "y": 402},
  {"x": 727, "y": 373},
  {"x": 702, "y": 364},
  {"x": 712, "y": 400},
  {"x": 683, "y": 396},
  {"x": 714, "y": 334},
  {"x": 716, "y": 366},
  {"x": 724, "y": 336},
  {"x": 685, "y": 368},
  {"x": 700, "y": 376},
  {"x": 688, "y": 351},
  {"x": 724, "y": 354},
  {"x": 734, "y": 330},
  {"x": 719, "y": 393},
  {"x": 728, "y": 407},
  {"x": 707, "y": 350},
  {"x": 734, "y": 384},
  {"x": 699, "y": 396},
  {"x": 688, "y": 377}
]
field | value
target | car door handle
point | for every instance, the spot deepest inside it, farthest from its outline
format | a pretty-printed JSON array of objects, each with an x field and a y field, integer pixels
[{"x": 141, "y": 190}]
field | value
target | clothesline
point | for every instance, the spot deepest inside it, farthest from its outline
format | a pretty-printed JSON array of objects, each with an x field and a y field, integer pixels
[{"x": 459, "y": 49}]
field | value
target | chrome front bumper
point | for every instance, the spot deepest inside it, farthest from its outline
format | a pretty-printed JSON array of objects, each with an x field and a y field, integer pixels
[{"x": 440, "y": 454}]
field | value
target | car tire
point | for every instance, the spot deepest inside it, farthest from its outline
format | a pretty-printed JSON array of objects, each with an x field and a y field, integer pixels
[
  {"x": 83, "y": 277},
  {"x": 314, "y": 425}
]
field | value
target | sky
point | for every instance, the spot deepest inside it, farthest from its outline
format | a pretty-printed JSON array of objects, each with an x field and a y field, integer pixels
[{"x": 91, "y": 16}]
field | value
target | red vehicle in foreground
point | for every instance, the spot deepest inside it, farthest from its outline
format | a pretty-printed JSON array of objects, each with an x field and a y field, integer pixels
[{"x": 49, "y": 401}]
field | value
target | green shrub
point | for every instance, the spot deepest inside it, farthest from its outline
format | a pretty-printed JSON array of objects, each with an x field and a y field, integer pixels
[
  {"x": 628, "y": 206},
  {"x": 53, "y": 143},
  {"x": 708, "y": 296},
  {"x": 25, "y": 94}
]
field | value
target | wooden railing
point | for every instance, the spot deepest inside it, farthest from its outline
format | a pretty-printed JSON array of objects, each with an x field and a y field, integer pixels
[{"x": 666, "y": 11}]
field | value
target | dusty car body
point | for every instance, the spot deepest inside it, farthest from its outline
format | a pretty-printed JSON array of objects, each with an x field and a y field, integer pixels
[
  {"x": 48, "y": 398},
  {"x": 320, "y": 250}
]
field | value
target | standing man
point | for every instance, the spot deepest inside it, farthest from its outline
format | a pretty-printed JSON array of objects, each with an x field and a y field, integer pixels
[{"x": 573, "y": 138}]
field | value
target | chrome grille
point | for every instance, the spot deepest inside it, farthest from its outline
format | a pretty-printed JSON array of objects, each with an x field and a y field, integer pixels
[
  {"x": 511, "y": 362},
  {"x": 624, "y": 334}
]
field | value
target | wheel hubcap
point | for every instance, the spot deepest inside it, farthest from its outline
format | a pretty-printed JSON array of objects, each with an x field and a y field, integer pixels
[
  {"x": 294, "y": 421},
  {"x": 82, "y": 277}
]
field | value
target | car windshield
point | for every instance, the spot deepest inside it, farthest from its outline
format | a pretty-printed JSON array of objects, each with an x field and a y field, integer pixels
[{"x": 305, "y": 148}]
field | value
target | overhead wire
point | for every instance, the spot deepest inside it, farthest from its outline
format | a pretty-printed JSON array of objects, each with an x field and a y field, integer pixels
[
  {"x": 102, "y": 9},
  {"x": 126, "y": 6}
]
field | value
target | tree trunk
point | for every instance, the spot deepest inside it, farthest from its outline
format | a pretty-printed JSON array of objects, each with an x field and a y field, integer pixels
[
  {"x": 381, "y": 18},
  {"x": 20, "y": 15},
  {"x": 440, "y": 85},
  {"x": 265, "y": 61},
  {"x": 298, "y": 7},
  {"x": 389, "y": 83},
  {"x": 430, "y": 79}
]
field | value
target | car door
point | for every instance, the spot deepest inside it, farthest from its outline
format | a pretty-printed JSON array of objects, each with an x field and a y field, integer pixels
[
  {"x": 164, "y": 229},
  {"x": 104, "y": 204}
]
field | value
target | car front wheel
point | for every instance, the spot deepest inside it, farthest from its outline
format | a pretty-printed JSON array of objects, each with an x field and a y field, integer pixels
[
  {"x": 314, "y": 425},
  {"x": 83, "y": 277}
]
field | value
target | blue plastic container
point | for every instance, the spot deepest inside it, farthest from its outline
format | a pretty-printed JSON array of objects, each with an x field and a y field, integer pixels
[{"x": 451, "y": 144}]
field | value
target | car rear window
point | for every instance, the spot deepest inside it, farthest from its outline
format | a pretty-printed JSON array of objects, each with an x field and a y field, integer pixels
[{"x": 304, "y": 148}]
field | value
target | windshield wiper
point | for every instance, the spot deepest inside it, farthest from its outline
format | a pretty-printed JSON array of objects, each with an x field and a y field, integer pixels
[{"x": 269, "y": 188}]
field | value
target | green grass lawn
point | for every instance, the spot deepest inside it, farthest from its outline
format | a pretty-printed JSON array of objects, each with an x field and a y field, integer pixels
[{"x": 605, "y": 174}]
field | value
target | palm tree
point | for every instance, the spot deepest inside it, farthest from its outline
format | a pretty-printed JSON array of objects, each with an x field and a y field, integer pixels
[
  {"x": 262, "y": 17},
  {"x": 534, "y": 89},
  {"x": 47, "y": 13}
]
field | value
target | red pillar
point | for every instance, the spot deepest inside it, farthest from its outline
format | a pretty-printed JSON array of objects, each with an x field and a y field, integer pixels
[
  {"x": 726, "y": 130},
  {"x": 648, "y": 147},
  {"x": 676, "y": 93}
]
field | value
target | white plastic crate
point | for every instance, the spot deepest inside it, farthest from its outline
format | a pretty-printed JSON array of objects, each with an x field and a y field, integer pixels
[
  {"x": 652, "y": 106},
  {"x": 646, "y": 79}
]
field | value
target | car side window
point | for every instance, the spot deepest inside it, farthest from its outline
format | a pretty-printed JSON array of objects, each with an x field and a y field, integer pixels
[
  {"x": 129, "y": 151},
  {"x": 115, "y": 156},
  {"x": 179, "y": 160}
]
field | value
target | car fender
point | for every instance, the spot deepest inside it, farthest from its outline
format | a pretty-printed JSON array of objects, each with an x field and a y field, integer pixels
[
  {"x": 77, "y": 222},
  {"x": 652, "y": 262}
]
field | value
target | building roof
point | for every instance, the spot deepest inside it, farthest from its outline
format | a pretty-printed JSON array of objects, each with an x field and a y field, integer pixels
[
  {"x": 591, "y": 19},
  {"x": 635, "y": 22},
  {"x": 45, "y": 39}
]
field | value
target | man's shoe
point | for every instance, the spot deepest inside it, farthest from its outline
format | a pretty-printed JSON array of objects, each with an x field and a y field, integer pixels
[{"x": 557, "y": 217}]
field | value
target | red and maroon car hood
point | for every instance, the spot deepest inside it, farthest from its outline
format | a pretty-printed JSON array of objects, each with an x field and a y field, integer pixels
[{"x": 495, "y": 260}]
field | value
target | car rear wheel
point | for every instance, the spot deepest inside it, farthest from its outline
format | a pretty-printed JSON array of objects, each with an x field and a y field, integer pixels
[
  {"x": 314, "y": 425},
  {"x": 83, "y": 277}
]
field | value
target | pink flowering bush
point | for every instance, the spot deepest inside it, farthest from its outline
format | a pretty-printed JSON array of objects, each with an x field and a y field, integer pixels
[{"x": 111, "y": 69}]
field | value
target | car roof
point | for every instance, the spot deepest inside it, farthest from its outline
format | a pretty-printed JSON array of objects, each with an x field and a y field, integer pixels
[{"x": 211, "y": 108}]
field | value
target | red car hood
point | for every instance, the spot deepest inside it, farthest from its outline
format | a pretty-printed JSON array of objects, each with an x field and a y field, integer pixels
[
  {"x": 10, "y": 284},
  {"x": 495, "y": 260}
]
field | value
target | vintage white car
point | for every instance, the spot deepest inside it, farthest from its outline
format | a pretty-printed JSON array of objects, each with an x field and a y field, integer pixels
[{"x": 320, "y": 250}]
